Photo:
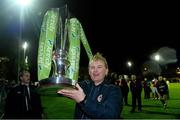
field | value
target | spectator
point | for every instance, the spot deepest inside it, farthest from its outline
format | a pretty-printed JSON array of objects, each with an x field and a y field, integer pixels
[
  {"x": 136, "y": 89},
  {"x": 23, "y": 102},
  {"x": 163, "y": 91}
]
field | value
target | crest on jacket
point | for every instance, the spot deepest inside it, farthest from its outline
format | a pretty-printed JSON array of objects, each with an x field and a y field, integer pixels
[{"x": 99, "y": 98}]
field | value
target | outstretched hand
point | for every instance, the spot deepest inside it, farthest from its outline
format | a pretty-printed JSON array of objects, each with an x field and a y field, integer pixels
[{"x": 76, "y": 94}]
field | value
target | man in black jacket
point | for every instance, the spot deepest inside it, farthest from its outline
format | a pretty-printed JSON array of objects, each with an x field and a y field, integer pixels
[
  {"x": 96, "y": 99},
  {"x": 136, "y": 89},
  {"x": 163, "y": 91},
  {"x": 23, "y": 102}
]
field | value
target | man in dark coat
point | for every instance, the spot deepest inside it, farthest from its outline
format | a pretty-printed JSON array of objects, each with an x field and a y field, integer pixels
[
  {"x": 96, "y": 99},
  {"x": 124, "y": 88},
  {"x": 23, "y": 102},
  {"x": 136, "y": 89},
  {"x": 100, "y": 101},
  {"x": 163, "y": 91}
]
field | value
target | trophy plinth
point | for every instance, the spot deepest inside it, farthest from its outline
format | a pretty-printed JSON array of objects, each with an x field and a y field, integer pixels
[{"x": 50, "y": 86}]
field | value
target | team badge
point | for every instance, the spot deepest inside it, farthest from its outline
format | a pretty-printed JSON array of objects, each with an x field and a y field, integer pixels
[{"x": 99, "y": 98}]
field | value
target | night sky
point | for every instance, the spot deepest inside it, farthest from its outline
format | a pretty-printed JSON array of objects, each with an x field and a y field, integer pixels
[{"x": 121, "y": 31}]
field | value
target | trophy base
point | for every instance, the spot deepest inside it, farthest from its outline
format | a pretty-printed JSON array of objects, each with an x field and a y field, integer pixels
[{"x": 50, "y": 86}]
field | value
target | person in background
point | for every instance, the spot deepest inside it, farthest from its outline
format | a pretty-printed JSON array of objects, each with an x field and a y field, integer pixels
[
  {"x": 23, "y": 102},
  {"x": 155, "y": 94},
  {"x": 136, "y": 89},
  {"x": 124, "y": 88},
  {"x": 147, "y": 88},
  {"x": 95, "y": 99},
  {"x": 167, "y": 82},
  {"x": 163, "y": 91}
]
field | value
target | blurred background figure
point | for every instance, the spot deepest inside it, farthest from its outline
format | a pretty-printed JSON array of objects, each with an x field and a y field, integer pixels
[
  {"x": 163, "y": 91},
  {"x": 124, "y": 88},
  {"x": 147, "y": 88},
  {"x": 136, "y": 89},
  {"x": 167, "y": 82},
  {"x": 23, "y": 102},
  {"x": 155, "y": 94}
]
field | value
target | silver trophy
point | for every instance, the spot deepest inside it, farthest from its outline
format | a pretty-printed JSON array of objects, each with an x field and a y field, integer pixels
[{"x": 51, "y": 85}]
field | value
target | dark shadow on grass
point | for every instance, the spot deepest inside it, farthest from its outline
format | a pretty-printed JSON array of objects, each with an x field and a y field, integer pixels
[
  {"x": 151, "y": 106},
  {"x": 177, "y": 116},
  {"x": 173, "y": 107},
  {"x": 174, "y": 99},
  {"x": 163, "y": 113},
  {"x": 159, "y": 106}
]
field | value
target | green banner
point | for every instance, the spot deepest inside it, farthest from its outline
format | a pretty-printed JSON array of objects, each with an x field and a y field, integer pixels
[
  {"x": 76, "y": 34},
  {"x": 85, "y": 42},
  {"x": 74, "y": 49},
  {"x": 47, "y": 39},
  {"x": 46, "y": 42}
]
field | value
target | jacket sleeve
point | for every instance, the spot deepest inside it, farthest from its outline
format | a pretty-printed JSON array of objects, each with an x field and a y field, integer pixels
[{"x": 110, "y": 107}]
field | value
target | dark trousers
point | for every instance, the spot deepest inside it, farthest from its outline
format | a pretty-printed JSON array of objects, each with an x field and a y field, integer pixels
[
  {"x": 137, "y": 97},
  {"x": 147, "y": 93},
  {"x": 125, "y": 98}
]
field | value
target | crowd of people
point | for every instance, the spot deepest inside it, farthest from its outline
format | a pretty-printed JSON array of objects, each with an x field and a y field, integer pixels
[
  {"x": 103, "y": 93},
  {"x": 156, "y": 88}
]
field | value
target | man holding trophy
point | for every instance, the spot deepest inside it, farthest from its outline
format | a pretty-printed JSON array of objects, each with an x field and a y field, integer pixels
[{"x": 95, "y": 98}]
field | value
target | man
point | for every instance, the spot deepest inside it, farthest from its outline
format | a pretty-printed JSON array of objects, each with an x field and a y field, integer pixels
[
  {"x": 124, "y": 88},
  {"x": 96, "y": 99},
  {"x": 23, "y": 102},
  {"x": 136, "y": 89},
  {"x": 155, "y": 93},
  {"x": 163, "y": 91}
]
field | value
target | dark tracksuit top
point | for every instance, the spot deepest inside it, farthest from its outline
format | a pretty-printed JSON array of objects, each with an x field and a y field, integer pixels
[
  {"x": 102, "y": 101},
  {"x": 16, "y": 107},
  {"x": 162, "y": 87}
]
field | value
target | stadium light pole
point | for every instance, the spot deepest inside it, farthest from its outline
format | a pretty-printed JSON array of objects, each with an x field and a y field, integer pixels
[
  {"x": 24, "y": 46},
  {"x": 158, "y": 58},
  {"x": 22, "y": 4}
]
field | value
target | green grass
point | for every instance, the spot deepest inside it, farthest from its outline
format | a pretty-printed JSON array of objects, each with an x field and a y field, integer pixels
[
  {"x": 58, "y": 107},
  {"x": 61, "y": 107}
]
